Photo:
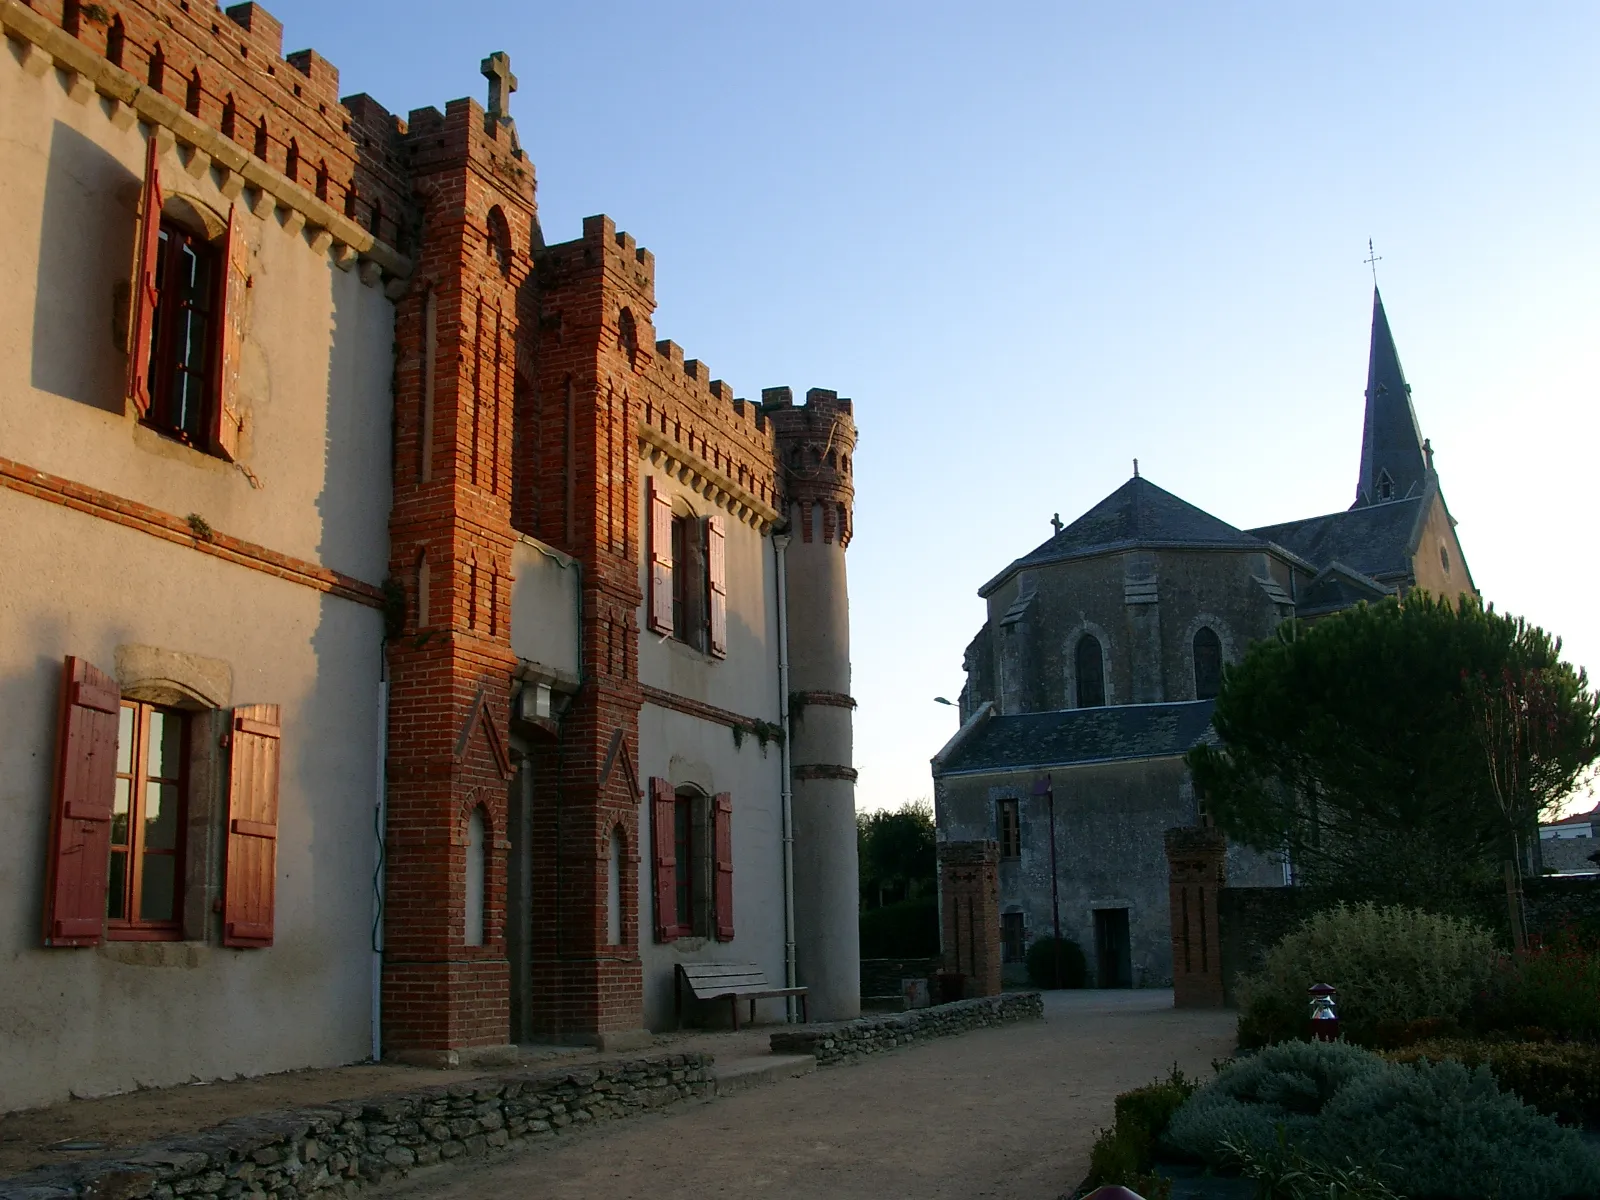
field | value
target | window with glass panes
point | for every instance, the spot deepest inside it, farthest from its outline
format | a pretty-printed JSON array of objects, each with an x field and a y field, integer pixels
[
  {"x": 181, "y": 370},
  {"x": 144, "y": 880},
  {"x": 683, "y": 850}
]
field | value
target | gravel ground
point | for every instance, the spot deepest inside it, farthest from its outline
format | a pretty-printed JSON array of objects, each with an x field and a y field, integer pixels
[{"x": 1006, "y": 1112}]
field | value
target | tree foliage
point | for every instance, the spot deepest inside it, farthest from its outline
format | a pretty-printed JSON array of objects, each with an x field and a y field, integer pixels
[
  {"x": 1400, "y": 751},
  {"x": 897, "y": 853}
]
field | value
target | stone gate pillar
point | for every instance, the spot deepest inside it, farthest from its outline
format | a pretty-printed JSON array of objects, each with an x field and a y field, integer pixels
[
  {"x": 969, "y": 879},
  {"x": 1196, "y": 872}
]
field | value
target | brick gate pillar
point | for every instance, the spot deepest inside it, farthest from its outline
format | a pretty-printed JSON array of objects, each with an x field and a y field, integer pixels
[
  {"x": 969, "y": 888},
  {"x": 1196, "y": 872}
]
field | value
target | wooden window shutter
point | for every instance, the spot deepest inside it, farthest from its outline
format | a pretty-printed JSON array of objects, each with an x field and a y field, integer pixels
[
  {"x": 142, "y": 315},
  {"x": 80, "y": 819},
  {"x": 666, "y": 862},
  {"x": 717, "y": 592},
  {"x": 252, "y": 872},
  {"x": 227, "y": 419},
  {"x": 722, "y": 877},
  {"x": 660, "y": 559}
]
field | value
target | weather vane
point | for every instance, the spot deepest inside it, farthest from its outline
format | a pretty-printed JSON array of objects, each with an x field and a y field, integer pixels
[{"x": 1372, "y": 260}]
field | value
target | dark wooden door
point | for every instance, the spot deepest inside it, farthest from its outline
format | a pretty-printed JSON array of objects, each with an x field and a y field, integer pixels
[{"x": 1113, "y": 952}]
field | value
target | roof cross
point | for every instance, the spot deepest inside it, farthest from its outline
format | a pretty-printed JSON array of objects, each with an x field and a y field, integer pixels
[
  {"x": 1056, "y": 522},
  {"x": 497, "y": 70},
  {"x": 1372, "y": 259}
]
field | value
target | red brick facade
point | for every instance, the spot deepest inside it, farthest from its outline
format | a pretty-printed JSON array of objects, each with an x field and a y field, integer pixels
[{"x": 527, "y": 385}]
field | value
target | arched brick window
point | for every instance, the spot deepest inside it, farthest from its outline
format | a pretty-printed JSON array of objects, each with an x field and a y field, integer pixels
[
  {"x": 1091, "y": 672},
  {"x": 116, "y": 42},
  {"x": 477, "y": 875},
  {"x": 500, "y": 240},
  {"x": 628, "y": 335},
  {"x": 291, "y": 164},
  {"x": 1207, "y": 663},
  {"x": 158, "y": 68},
  {"x": 191, "y": 97},
  {"x": 616, "y": 855}
]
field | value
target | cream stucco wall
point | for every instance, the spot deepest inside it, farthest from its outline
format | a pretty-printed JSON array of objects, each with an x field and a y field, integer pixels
[
  {"x": 746, "y": 681},
  {"x": 687, "y": 750},
  {"x": 315, "y": 485},
  {"x": 692, "y": 750},
  {"x": 86, "y": 1021},
  {"x": 544, "y": 606}
]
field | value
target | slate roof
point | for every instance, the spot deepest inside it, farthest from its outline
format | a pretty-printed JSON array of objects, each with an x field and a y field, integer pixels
[
  {"x": 1338, "y": 587},
  {"x": 1080, "y": 735},
  {"x": 1375, "y": 540},
  {"x": 1391, "y": 442},
  {"x": 1137, "y": 516}
]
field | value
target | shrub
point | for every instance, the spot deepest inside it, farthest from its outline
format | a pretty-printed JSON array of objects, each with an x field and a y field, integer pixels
[
  {"x": 1440, "y": 1130},
  {"x": 1431, "y": 1130},
  {"x": 1554, "y": 987},
  {"x": 1042, "y": 964},
  {"x": 1268, "y": 1100},
  {"x": 1286, "y": 1174},
  {"x": 1125, "y": 1153},
  {"x": 1560, "y": 1079},
  {"x": 905, "y": 929},
  {"x": 1392, "y": 966}
]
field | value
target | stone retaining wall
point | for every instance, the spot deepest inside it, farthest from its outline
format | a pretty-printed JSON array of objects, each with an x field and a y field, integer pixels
[
  {"x": 334, "y": 1149},
  {"x": 847, "y": 1041}
]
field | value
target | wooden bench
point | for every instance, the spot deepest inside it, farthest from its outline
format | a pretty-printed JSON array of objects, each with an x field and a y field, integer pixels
[{"x": 732, "y": 982}]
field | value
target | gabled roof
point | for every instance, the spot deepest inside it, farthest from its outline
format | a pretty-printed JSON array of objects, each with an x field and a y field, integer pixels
[
  {"x": 1137, "y": 516},
  {"x": 1338, "y": 587},
  {"x": 1075, "y": 736},
  {"x": 1392, "y": 448},
  {"x": 1377, "y": 540}
]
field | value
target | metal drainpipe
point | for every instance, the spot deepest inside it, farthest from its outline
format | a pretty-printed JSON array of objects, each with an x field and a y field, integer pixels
[
  {"x": 780, "y": 545},
  {"x": 380, "y": 828}
]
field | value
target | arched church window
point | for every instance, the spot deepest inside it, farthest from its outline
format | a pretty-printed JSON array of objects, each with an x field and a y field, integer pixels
[
  {"x": 1207, "y": 664},
  {"x": 1091, "y": 672},
  {"x": 1444, "y": 558}
]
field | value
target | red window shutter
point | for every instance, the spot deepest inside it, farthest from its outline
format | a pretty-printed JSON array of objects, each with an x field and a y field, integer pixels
[
  {"x": 722, "y": 880},
  {"x": 80, "y": 820},
  {"x": 666, "y": 862},
  {"x": 252, "y": 827},
  {"x": 717, "y": 573},
  {"x": 660, "y": 559},
  {"x": 142, "y": 316},
  {"x": 226, "y": 417}
]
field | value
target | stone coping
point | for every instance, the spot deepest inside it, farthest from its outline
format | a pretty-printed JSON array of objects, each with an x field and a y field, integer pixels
[
  {"x": 848, "y": 1041},
  {"x": 343, "y": 1146}
]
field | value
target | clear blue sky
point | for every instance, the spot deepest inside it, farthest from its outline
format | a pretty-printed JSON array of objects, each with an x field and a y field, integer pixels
[{"x": 1035, "y": 241}]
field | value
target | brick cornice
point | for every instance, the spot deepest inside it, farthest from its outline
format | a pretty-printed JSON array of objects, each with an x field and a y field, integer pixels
[
  {"x": 71, "y": 55},
  {"x": 134, "y": 515}
]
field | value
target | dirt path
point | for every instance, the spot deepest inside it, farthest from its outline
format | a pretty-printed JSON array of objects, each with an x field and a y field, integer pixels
[{"x": 999, "y": 1113}]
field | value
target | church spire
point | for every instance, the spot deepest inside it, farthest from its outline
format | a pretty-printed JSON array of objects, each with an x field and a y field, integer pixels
[{"x": 1394, "y": 463}]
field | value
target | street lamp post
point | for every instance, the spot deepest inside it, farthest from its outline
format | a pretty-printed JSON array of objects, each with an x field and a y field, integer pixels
[{"x": 1044, "y": 787}]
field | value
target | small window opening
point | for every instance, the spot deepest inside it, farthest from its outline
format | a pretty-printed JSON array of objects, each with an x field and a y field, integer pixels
[
  {"x": 628, "y": 335},
  {"x": 158, "y": 68},
  {"x": 477, "y": 862},
  {"x": 1011, "y": 938},
  {"x": 1385, "y": 486},
  {"x": 1090, "y": 672},
  {"x": 230, "y": 118},
  {"x": 1444, "y": 558},
  {"x": 191, "y": 99},
  {"x": 499, "y": 230},
  {"x": 1207, "y": 664},
  {"x": 1010, "y": 829},
  {"x": 322, "y": 181},
  {"x": 116, "y": 42},
  {"x": 261, "y": 139},
  {"x": 614, "y": 858},
  {"x": 291, "y": 164}
]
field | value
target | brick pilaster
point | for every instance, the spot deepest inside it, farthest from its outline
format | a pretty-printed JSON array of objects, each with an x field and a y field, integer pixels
[
  {"x": 970, "y": 893},
  {"x": 1197, "y": 871}
]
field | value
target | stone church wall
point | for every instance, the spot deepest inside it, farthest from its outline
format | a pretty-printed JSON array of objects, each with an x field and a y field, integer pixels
[{"x": 1111, "y": 820}]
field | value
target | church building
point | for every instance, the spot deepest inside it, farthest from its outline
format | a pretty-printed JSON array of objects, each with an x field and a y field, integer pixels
[
  {"x": 406, "y": 654},
  {"x": 1102, "y": 654}
]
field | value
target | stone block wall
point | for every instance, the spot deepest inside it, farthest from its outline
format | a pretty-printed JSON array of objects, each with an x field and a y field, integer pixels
[
  {"x": 969, "y": 895},
  {"x": 882, "y": 976},
  {"x": 849, "y": 1041},
  {"x": 336, "y": 1149}
]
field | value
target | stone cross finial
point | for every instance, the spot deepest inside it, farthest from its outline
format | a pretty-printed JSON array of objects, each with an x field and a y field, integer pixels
[
  {"x": 497, "y": 70},
  {"x": 1055, "y": 521}
]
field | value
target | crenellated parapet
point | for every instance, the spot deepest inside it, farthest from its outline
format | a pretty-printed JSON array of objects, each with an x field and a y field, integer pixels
[{"x": 816, "y": 443}]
